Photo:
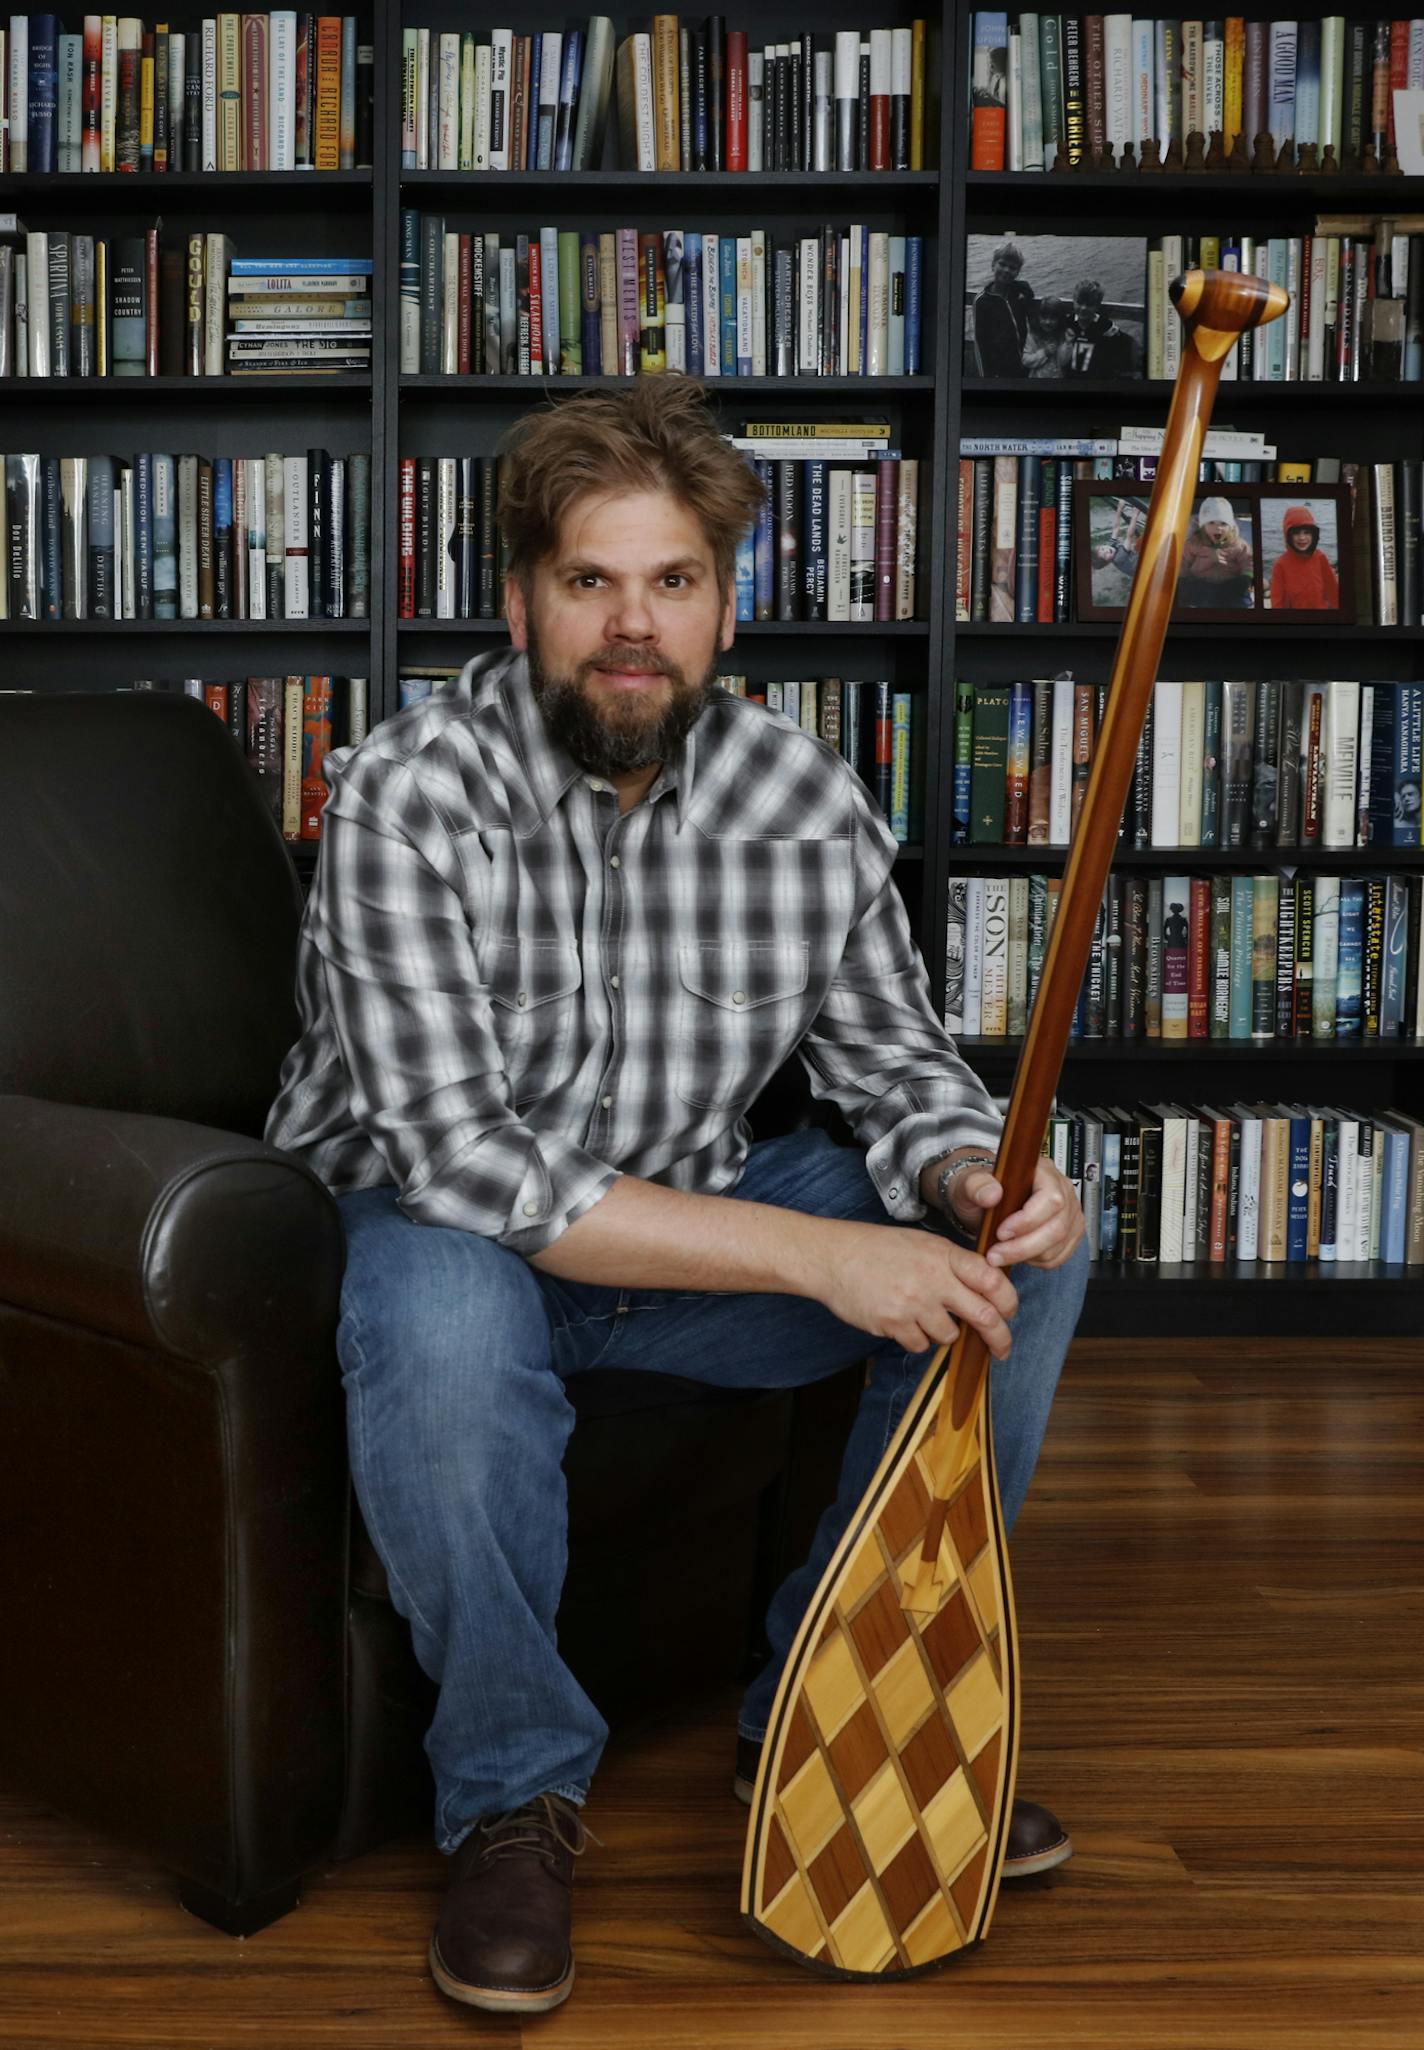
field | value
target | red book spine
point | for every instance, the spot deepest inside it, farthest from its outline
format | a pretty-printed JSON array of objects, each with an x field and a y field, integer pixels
[
  {"x": 215, "y": 698},
  {"x": 1220, "y": 1187},
  {"x": 1398, "y": 71},
  {"x": 93, "y": 57},
  {"x": 536, "y": 309},
  {"x": 964, "y": 539},
  {"x": 316, "y": 746},
  {"x": 736, "y": 149},
  {"x": 1047, "y": 560},
  {"x": 462, "y": 331},
  {"x": 1198, "y": 962},
  {"x": 887, "y": 499},
  {"x": 879, "y": 131},
  {"x": 254, "y": 93},
  {"x": 405, "y": 568}
]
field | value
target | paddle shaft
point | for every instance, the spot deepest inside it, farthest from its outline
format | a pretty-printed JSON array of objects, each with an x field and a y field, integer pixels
[{"x": 1216, "y": 307}]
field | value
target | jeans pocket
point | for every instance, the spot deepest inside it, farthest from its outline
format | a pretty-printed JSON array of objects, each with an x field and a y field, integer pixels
[{"x": 740, "y": 1015}]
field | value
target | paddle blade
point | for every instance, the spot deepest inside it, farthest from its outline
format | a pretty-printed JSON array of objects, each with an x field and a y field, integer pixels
[{"x": 881, "y": 1811}]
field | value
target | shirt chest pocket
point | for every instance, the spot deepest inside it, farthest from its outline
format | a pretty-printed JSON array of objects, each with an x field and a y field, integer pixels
[
  {"x": 534, "y": 992},
  {"x": 739, "y": 1015}
]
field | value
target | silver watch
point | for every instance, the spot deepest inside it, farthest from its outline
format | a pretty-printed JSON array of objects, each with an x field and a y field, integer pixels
[{"x": 947, "y": 1174}]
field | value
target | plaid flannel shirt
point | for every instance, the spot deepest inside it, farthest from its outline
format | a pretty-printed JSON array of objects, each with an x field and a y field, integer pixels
[{"x": 511, "y": 993}]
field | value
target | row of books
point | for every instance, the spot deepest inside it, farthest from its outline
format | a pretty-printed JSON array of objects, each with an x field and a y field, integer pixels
[
  {"x": 878, "y": 730},
  {"x": 1356, "y": 307},
  {"x": 580, "y": 302},
  {"x": 1168, "y": 1183},
  {"x": 79, "y": 305},
  {"x": 1220, "y": 764},
  {"x": 1045, "y": 85},
  {"x": 159, "y": 536},
  {"x": 286, "y": 726},
  {"x": 688, "y": 96},
  {"x": 1267, "y": 957},
  {"x": 1016, "y": 550},
  {"x": 279, "y": 91}
]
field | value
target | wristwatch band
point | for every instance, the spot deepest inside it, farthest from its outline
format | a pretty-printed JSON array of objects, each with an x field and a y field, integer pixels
[{"x": 947, "y": 1174}]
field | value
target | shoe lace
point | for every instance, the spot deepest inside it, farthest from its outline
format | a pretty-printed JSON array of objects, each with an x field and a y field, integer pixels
[{"x": 546, "y": 1825}]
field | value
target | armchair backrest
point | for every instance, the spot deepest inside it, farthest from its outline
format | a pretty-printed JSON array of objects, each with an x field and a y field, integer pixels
[{"x": 148, "y": 911}]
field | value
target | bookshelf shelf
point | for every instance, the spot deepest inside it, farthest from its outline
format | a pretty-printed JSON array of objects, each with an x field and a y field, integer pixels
[
  {"x": 1209, "y": 1298},
  {"x": 900, "y": 629},
  {"x": 1237, "y": 395},
  {"x": 195, "y": 629},
  {"x": 1330, "y": 860},
  {"x": 1178, "y": 1051},
  {"x": 217, "y": 192},
  {"x": 1155, "y": 193},
  {"x": 805, "y": 187},
  {"x": 539, "y": 388},
  {"x": 54, "y": 391},
  {"x": 1265, "y": 632}
]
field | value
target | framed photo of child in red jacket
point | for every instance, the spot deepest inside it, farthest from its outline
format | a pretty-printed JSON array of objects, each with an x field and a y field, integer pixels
[{"x": 1306, "y": 556}]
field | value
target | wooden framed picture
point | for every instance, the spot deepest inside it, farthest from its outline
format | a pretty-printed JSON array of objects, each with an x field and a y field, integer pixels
[{"x": 1253, "y": 553}]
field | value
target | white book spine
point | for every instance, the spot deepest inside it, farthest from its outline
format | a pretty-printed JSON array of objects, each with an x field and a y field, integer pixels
[
  {"x": 501, "y": 75},
  {"x": 281, "y": 89},
  {"x": 1346, "y": 1188},
  {"x": 447, "y": 85},
  {"x": 1290, "y": 322},
  {"x": 1060, "y": 788},
  {"x": 422, "y": 99},
  {"x": 1341, "y": 749},
  {"x": 549, "y": 295},
  {"x": 1117, "y": 71},
  {"x": 255, "y": 539},
  {"x": 215, "y": 305},
  {"x": 1144, "y": 86},
  {"x": 1195, "y": 1139},
  {"x": 973, "y": 955},
  {"x": 756, "y": 86},
  {"x": 109, "y": 89},
  {"x": 1174, "y": 1188},
  {"x": 1166, "y": 762},
  {"x": 862, "y": 545},
  {"x": 450, "y": 304},
  {"x": 758, "y": 240},
  {"x": 744, "y": 305},
  {"x": 643, "y": 101},
  {"x": 1363, "y": 752},
  {"x": 1190, "y": 749},
  {"x": 19, "y": 96},
  {"x": 994, "y": 980},
  {"x": 877, "y": 326},
  {"x": 484, "y": 82},
  {"x": 1249, "y": 1197},
  {"x": 808, "y": 353},
  {"x": 838, "y": 514},
  {"x": 466, "y": 152},
  {"x": 124, "y": 540},
  {"x": 178, "y": 97},
  {"x": 445, "y": 492},
  {"x": 1332, "y": 79},
  {"x": 1214, "y": 83},
  {"x": 1315, "y": 338},
  {"x": 187, "y": 537},
  {"x": 297, "y": 575},
  {"x": 37, "y": 294},
  {"x": 210, "y": 93}
]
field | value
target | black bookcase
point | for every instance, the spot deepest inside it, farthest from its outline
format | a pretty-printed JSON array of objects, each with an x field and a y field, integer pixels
[{"x": 358, "y": 213}]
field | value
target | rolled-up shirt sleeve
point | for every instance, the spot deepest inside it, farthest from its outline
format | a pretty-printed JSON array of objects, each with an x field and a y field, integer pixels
[
  {"x": 415, "y": 1026},
  {"x": 877, "y": 1048}
]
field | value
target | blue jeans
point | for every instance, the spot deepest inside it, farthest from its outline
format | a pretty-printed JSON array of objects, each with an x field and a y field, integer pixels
[{"x": 454, "y": 1355}]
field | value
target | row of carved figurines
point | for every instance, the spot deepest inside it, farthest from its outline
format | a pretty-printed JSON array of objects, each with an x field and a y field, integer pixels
[{"x": 1200, "y": 153}]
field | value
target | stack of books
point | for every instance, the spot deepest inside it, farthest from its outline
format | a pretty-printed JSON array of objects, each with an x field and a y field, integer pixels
[
  {"x": 1169, "y": 1183},
  {"x": 243, "y": 92},
  {"x": 690, "y": 96},
  {"x": 580, "y": 302},
  {"x": 837, "y": 535},
  {"x": 298, "y": 315}
]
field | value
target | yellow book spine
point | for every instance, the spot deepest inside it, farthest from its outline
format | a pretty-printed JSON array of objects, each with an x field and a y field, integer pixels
[
  {"x": 667, "y": 73},
  {"x": 145, "y": 106},
  {"x": 293, "y": 694},
  {"x": 229, "y": 92},
  {"x": 1231, "y": 81},
  {"x": 328, "y": 93}
]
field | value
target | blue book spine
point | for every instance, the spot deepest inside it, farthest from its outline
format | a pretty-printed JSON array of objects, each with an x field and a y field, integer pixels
[
  {"x": 569, "y": 79},
  {"x": 1112, "y": 1171},
  {"x": 51, "y": 540},
  {"x": 814, "y": 556},
  {"x": 101, "y": 537},
  {"x": 304, "y": 266},
  {"x": 1350, "y": 959},
  {"x": 222, "y": 533},
  {"x": 165, "y": 540},
  {"x": 727, "y": 263},
  {"x": 914, "y": 293},
  {"x": 1393, "y": 1225},
  {"x": 899, "y": 814},
  {"x": 1298, "y": 1197},
  {"x": 701, "y": 141},
  {"x": 746, "y": 575},
  {"x": 1408, "y": 765},
  {"x": 696, "y": 332},
  {"x": 591, "y": 303},
  {"x": 412, "y": 689},
  {"x": 1307, "y": 82},
  {"x": 764, "y": 587},
  {"x": 531, "y": 100},
  {"x": 43, "y": 91},
  {"x": 143, "y": 536}
]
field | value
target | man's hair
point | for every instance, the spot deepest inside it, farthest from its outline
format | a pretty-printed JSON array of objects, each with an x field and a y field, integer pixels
[
  {"x": 659, "y": 434},
  {"x": 1009, "y": 253}
]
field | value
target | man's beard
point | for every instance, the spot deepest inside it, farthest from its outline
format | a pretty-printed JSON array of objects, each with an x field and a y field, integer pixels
[{"x": 617, "y": 735}]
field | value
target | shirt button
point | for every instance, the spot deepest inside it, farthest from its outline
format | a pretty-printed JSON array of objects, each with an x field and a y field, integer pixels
[
  {"x": 614, "y": 980},
  {"x": 893, "y": 1194},
  {"x": 607, "y": 1102},
  {"x": 521, "y": 999},
  {"x": 615, "y": 863},
  {"x": 531, "y": 1210},
  {"x": 595, "y": 784},
  {"x": 739, "y": 996}
]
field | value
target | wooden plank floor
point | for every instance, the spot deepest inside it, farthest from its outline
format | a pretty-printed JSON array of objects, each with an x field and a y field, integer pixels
[{"x": 1220, "y": 1581}]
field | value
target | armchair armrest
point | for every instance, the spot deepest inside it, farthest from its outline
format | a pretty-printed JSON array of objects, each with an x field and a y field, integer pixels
[{"x": 164, "y": 1234}]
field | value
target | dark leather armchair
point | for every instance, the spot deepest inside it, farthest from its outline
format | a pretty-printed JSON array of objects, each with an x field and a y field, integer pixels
[{"x": 199, "y": 1653}]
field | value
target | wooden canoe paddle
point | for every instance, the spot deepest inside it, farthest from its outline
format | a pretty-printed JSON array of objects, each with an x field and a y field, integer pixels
[{"x": 882, "y": 1805}]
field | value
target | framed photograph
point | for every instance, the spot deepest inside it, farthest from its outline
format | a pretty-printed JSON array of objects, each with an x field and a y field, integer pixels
[
  {"x": 1306, "y": 555},
  {"x": 1237, "y": 537},
  {"x": 1055, "y": 306}
]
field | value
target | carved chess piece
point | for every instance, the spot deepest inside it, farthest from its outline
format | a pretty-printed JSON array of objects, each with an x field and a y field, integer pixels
[
  {"x": 1239, "y": 156},
  {"x": 1151, "y": 159},
  {"x": 1128, "y": 160},
  {"x": 1216, "y": 159},
  {"x": 1173, "y": 159},
  {"x": 1306, "y": 163},
  {"x": 1329, "y": 162},
  {"x": 1391, "y": 162},
  {"x": 1196, "y": 151},
  {"x": 1263, "y": 156},
  {"x": 1369, "y": 163},
  {"x": 1285, "y": 156}
]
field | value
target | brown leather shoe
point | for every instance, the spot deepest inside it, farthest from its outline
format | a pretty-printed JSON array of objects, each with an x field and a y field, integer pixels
[
  {"x": 502, "y": 1940},
  {"x": 1037, "y": 1839}
]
